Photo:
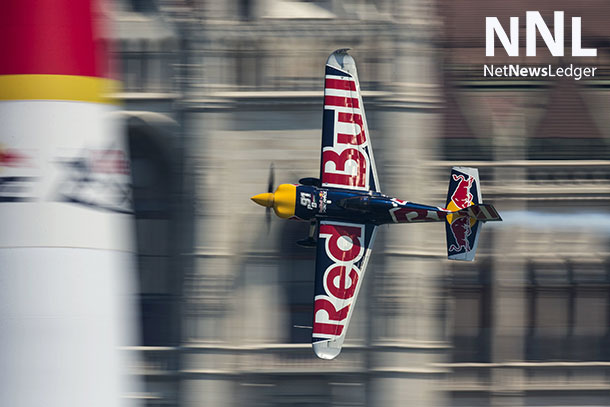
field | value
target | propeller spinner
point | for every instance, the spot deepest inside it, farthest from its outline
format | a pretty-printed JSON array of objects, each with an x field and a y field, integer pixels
[{"x": 282, "y": 201}]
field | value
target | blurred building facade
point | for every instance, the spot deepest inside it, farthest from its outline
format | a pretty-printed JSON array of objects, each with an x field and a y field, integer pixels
[{"x": 216, "y": 91}]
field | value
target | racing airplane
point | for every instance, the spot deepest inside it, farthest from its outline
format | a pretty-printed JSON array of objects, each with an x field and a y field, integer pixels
[{"x": 345, "y": 207}]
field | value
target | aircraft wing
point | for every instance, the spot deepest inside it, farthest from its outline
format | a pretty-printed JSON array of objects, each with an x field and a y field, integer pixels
[
  {"x": 347, "y": 155},
  {"x": 343, "y": 252}
]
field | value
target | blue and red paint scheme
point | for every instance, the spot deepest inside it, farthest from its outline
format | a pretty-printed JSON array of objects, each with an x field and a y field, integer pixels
[
  {"x": 362, "y": 207},
  {"x": 345, "y": 207}
]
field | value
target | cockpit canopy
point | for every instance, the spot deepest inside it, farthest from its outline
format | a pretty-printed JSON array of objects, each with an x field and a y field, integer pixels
[{"x": 366, "y": 203}]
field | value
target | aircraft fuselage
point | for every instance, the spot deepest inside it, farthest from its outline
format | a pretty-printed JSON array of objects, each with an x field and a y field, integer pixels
[{"x": 363, "y": 207}]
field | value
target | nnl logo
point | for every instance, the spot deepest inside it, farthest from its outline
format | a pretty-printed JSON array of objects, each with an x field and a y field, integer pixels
[{"x": 533, "y": 22}]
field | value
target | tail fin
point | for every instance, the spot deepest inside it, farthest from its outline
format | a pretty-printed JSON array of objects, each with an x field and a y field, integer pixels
[
  {"x": 464, "y": 224},
  {"x": 463, "y": 188}
]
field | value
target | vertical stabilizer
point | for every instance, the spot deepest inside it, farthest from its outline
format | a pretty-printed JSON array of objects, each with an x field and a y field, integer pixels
[{"x": 463, "y": 230}]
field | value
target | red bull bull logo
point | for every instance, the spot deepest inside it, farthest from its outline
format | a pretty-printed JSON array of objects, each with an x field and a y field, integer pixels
[
  {"x": 460, "y": 230},
  {"x": 461, "y": 197},
  {"x": 464, "y": 202}
]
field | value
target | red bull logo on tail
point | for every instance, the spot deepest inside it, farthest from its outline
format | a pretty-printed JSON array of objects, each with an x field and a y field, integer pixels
[
  {"x": 461, "y": 197},
  {"x": 460, "y": 230}
]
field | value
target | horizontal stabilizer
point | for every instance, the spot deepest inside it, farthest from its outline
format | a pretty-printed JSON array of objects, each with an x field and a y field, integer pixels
[{"x": 482, "y": 212}]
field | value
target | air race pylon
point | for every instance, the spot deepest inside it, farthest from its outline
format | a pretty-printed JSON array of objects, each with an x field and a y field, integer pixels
[{"x": 66, "y": 249}]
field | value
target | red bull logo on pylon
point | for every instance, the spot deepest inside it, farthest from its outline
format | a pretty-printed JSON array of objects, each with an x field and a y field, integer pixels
[
  {"x": 66, "y": 270},
  {"x": 11, "y": 158}
]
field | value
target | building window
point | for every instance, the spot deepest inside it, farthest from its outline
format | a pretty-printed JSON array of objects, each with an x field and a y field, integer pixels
[
  {"x": 472, "y": 311},
  {"x": 144, "y": 6},
  {"x": 568, "y": 311},
  {"x": 146, "y": 67}
]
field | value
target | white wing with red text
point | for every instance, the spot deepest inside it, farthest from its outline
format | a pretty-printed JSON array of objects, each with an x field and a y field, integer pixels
[
  {"x": 347, "y": 155},
  {"x": 343, "y": 252}
]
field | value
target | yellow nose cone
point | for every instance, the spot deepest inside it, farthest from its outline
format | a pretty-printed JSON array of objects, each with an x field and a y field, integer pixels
[
  {"x": 265, "y": 199},
  {"x": 284, "y": 200}
]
